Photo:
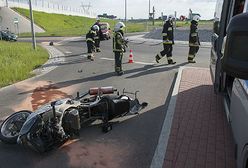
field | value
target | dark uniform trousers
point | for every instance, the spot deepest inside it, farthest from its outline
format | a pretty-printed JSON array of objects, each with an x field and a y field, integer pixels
[
  {"x": 90, "y": 46},
  {"x": 118, "y": 61},
  {"x": 167, "y": 50},
  {"x": 192, "y": 52}
]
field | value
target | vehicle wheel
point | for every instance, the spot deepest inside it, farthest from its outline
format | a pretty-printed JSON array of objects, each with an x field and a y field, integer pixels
[
  {"x": 10, "y": 128},
  {"x": 106, "y": 128}
]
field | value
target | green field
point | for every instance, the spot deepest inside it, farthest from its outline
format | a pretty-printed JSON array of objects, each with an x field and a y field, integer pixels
[{"x": 17, "y": 60}]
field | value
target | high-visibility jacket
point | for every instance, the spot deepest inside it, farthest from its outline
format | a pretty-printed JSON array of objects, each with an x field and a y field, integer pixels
[
  {"x": 168, "y": 33},
  {"x": 90, "y": 36},
  {"x": 193, "y": 35},
  {"x": 118, "y": 42}
]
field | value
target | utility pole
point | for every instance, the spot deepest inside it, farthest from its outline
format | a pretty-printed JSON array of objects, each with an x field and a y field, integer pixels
[
  {"x": 153, "y": 15},
  {"x": 7, "y": 4},
  {"x": 149, "y": 9},
  {"x": 126, "y": 15},
  {"x": 32, "y": 25},
  {"x": 175, "y": 19}
]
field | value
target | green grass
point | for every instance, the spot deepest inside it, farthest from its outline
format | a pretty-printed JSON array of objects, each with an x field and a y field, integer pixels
[
  {"x": 61, "y": 25},
  {"x": 64, "y": 25},
  {"x": 17, "y": 60}
]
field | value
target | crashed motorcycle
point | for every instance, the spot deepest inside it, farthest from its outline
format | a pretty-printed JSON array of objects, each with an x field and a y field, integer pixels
[{"x": 54, "y": 123}]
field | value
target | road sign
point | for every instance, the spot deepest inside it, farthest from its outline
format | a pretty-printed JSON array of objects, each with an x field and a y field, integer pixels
[{"x": 16, "y": 21}]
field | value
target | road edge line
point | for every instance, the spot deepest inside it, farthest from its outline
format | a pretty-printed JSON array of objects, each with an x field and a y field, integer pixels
[{"x": 158, "y": 157}]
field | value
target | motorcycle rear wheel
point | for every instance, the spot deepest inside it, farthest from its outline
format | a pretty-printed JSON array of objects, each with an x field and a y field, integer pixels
[{"x": 10, "y": 128}]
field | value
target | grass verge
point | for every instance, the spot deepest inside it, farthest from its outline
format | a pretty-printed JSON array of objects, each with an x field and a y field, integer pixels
[
  {"x": 17, "y": 60},
  {"x": 67, "y": 25}
]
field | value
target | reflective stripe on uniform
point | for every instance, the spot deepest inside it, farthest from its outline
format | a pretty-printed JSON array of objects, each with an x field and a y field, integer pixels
[
  {"x": 118, "y": 50},
  {"x": 96, "y": 37},
  {"x": 190, "y": 56},
  {"x": 164, "y": 34},
  {"x": 193, "y": 34},
  {"x": 193, "y": 45},
  {"x": 159, "y": 55},
  {"x": 170, "y": 29},
  {"x": 90, "y": 39},
  {"x": 169, "y": 58},
  {"x": 167, "y": 42}
]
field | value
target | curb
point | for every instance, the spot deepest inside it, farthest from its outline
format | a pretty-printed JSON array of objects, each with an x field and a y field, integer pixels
[{"x": 158, "y": 157}]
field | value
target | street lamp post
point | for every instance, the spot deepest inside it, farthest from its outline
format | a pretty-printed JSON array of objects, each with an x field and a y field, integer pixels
[
  {"x": 126, "y": 14},
  {"x": 32, "y": 25},
  {"x": 7, "y": 5}
]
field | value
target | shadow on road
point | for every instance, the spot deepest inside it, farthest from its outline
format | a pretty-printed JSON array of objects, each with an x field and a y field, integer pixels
[{"x": 146, "y": 70}]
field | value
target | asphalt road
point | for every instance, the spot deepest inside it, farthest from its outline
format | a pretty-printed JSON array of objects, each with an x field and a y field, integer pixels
[{"x": 133, "y": 140}]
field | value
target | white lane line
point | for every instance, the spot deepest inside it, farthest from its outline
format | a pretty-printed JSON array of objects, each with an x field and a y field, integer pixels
[
  {"x": 110, "y": 59},
  {"x": 136, "y": 62},
  {"x": 143, "y": 63},
  {"x": 68, "y": 52}
]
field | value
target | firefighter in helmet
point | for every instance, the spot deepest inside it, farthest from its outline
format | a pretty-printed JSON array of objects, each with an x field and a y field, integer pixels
[
  {"x": 98, "y": 35},
  {"x": 168, "y": 41},
  {"x": 119, "y": 46},
  {"x": 90, "y": 41},
  {"x": 194, "y": 41}
]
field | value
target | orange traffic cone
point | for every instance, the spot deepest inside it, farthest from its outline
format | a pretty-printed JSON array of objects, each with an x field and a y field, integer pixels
[{"x": 131, "y": 57}]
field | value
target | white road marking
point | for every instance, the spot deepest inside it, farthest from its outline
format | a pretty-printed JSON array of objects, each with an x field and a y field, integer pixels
[
  {"x": 136, "y": 62},
  {"x": 68, "y": 52},
  {"x": 110, "y": 59}
]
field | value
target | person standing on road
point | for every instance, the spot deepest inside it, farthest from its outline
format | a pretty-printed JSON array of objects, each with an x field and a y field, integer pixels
[
  {"x": 98, "y": 36},
  {"x": 119, "y": 46},
  {"x": 168, "y": 41},
  {"x": 90, "y": 41},
  {"x": 194, "y": 41}
]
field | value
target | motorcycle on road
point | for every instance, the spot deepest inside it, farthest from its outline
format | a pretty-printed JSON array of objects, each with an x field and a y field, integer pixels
[{"x": 53, "y": 124}]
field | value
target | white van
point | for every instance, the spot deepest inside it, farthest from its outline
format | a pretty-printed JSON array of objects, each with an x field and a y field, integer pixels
[{"x": 229, "y": 69}]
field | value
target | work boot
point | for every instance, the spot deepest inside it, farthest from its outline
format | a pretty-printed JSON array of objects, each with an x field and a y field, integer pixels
[
  {"x": 191, "y": 61},
  {"x": 120, "y": 73},
  {"x": 90, "y": 57},
  {"x": 157, "y": 58},
  {"x": 171, "y": 62}
]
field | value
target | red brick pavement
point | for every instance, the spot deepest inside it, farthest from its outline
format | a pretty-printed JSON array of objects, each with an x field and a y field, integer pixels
[{"x": 200, "y": 135}]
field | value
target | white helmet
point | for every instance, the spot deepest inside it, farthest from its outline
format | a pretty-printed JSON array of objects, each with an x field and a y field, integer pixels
[
  {"x": 119, "y": 26},
  {"x": 196, "y": 18},
  {"x": 170, "y": 17},
  {"x": 96, "y": 28}
]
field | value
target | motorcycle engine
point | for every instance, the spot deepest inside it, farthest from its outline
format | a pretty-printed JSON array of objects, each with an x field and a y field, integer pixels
[{"x": 71, "y": 122}]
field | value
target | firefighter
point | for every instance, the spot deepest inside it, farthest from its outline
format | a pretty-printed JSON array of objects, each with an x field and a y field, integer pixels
[
  {"x": 194, "y": 41},
  {"x": 98, "y": 36},
  {"x": 168, "y": 41},
  {"x": 90, "y": 41},
  {"x": 119, "y": 46}
]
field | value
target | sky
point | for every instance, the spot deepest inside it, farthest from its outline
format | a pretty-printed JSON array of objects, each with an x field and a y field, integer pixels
[{"x": 139, "y": 8}]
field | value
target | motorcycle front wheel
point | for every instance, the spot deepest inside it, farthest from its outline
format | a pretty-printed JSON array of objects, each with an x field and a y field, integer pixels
[{"x": 10, "y": 128}]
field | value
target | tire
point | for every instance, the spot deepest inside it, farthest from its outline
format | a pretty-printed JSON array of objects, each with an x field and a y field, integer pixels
[
  {"x": 15, "y": 123},
  {"x": 106, "y": 128}
]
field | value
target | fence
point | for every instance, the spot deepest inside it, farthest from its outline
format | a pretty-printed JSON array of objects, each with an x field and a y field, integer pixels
[{"x": 48, "y": 7}]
